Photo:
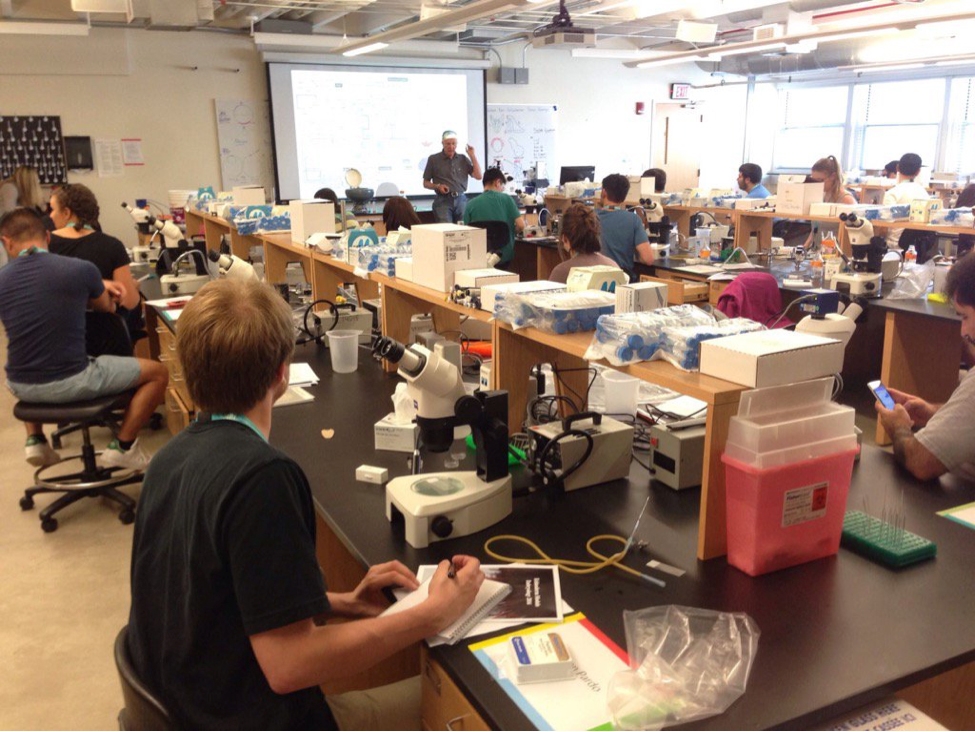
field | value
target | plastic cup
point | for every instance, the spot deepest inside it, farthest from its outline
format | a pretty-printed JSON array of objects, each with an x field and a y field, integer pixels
[
  {"x": 621, "y": 392},
  {"x": 343, "y": 345}
]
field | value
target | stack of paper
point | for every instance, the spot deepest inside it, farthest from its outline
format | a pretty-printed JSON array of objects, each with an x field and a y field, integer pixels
[{"x": 301, "y": 374}]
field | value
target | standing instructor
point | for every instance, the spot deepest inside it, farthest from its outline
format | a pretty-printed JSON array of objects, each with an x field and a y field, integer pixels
[{"x": 446, "y": 173}]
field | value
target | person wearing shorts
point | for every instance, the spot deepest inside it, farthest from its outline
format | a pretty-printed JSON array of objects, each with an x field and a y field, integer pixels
[{"x": 43, "y": 299}]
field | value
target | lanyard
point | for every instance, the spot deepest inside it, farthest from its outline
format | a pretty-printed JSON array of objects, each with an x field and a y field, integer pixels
[
  {"x": 238, "y": 418},
  {"x": 31, "y": 250}
]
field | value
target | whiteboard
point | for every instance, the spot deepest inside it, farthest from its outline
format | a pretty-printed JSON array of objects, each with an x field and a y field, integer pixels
[
  {"x": 244, "y": 136},
  {"x": 520, "y": 135}
]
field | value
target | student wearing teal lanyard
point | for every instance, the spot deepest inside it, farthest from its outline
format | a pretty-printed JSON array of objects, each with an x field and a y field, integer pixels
[
  {"x": 226, "y": 586},
  {"x": 624, "y": 239}
]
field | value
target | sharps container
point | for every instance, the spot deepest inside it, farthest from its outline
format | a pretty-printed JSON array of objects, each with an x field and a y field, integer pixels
[{"x": 788, "y": 463}]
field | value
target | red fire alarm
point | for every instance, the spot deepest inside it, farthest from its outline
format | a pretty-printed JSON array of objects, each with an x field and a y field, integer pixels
[{"x": 639, "y": 107}]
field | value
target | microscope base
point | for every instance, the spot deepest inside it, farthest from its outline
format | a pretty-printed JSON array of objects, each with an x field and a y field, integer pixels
[
  {"x": 862, "y": 284},
  {"x": 470, "y": 505}
]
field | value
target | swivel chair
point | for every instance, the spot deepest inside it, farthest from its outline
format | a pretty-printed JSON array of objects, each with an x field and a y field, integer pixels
[
  {"x": 498, "y": 234},
  {"x": 91, "y": 481},
  {"x": 142, "y": 710}
]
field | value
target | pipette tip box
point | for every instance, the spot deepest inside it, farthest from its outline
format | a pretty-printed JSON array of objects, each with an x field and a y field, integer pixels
[{"x": 884, "y": 542}]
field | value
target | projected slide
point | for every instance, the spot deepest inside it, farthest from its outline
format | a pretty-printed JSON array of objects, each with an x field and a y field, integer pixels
[{"x": 382, "y": 122}]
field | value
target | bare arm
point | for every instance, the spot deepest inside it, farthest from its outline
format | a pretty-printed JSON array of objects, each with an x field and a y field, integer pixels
[
  {"x": 520, "y": 224},
  {"x": 915, "y": 457},
  {"x": 476, "y": 173},
  {"x": 302, "y": 655},
  {"x": 438, "y": 187},
  {"x": 103, "y": 303},
  {"x": 130, "y": 288},
  {"x": 644, "y": 252}
]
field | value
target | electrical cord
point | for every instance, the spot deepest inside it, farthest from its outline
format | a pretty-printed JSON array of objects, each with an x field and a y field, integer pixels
[
  {"x": 554, "y": 482},
  {"x": 306, "y": 329},
  {"x": 535, "y": 415}
]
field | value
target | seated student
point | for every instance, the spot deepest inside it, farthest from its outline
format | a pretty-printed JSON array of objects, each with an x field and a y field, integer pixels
[
  {"x": 496, "y": 205},
  {"x": 946, "y": 438},
  {"x": 579, "y": 236},
  {"x": 890, "y": 170},
  {"x": 659, "y": 178},
  {"x": 828, "y": 171},
  {"x": 327, "y": 194},
  {"x": 77, "y": 233},
  {"x": 905, "y": 191},
  {"x": 399, "y": 212},
  {"x": 227, "y": 592},
  {"x": 750, "y": 181},
  {"x": 623, "y": 235},
  {"x": 43, "y": 299}
]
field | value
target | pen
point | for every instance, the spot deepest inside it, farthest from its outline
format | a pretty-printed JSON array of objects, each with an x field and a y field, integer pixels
[{"x": 451, "y": 570}]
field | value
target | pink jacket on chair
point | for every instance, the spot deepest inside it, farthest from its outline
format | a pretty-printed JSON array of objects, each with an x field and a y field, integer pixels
[{"x": 753, "y": 295}]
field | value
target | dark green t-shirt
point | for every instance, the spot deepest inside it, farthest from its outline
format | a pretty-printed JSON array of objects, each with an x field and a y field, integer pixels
[{"x": 495, "y": 206}]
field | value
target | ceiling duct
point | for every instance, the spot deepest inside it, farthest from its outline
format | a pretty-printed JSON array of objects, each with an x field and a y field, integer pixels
[{"x": 179, "y": 14}]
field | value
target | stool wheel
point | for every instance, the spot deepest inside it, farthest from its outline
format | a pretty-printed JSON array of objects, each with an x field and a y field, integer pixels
[
  {"x": 155, "y": 421},
  {"x": 49, "y": 525},
  {"x": 126, "y": 516},
  {"x": 26, "y": 503}
]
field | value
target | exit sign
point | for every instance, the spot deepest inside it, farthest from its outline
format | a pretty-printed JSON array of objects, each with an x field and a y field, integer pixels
[{"x": 680, "y": 91}]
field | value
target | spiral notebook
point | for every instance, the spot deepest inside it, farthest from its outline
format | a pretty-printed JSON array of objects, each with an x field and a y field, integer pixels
[{"x": 488, "y": 596}]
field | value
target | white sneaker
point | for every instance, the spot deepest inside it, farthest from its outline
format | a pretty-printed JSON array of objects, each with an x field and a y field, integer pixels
[
  {"x": 40, "y": 454},
  {"x": 135, "y": 458}
]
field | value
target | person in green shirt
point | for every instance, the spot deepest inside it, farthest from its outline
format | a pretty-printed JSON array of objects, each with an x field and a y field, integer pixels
[{"x": 496, "y": 205}]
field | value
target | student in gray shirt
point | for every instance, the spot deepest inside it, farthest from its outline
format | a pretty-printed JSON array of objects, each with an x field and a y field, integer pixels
[
  {"x": 446, "y": 173},
  {"x": 946, "y": 438}
]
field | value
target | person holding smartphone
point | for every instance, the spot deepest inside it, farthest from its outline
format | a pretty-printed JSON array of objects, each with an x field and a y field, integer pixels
[
  {"x": 446, "y": 174},
  {"x": 945, "y": 437}
]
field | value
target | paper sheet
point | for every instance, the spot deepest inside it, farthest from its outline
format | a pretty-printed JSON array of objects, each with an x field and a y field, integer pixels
[
  {"x": 301, "y": 374},
  {"x": 965, "y": 514}
]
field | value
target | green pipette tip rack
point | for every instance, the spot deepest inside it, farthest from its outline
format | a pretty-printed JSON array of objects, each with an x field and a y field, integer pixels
[{"x": 884, "y": 542}]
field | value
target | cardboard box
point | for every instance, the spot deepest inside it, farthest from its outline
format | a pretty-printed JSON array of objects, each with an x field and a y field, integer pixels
[
  {"x": 404, "y": 268},
  {"x": 311, "y": 217},
  {"x": 249, "y": 196},
  {"x": 749, "y": 204},
  {"x": 482, "y": 277},
  {"x": 598, "y": 277},
  {"x": 922, "y": 208},
  {"x": 771, "y": 357},
  {"x": 395, "y": 437},
  {"x": 796, "y": 198},
  {"x": 439, "y": 250},
  {"x": 489, "y": 293},
  {"x": 639, "y": 297}
]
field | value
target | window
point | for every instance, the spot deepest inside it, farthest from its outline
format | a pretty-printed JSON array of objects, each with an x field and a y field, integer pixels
[
  {"x": 892, "y": 118},
  {"x": 812, "y": 127},
  {"x": 961, "y": 136}
]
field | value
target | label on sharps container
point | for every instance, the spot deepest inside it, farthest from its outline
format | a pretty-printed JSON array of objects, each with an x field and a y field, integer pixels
[{"x": 804, "y": 504}]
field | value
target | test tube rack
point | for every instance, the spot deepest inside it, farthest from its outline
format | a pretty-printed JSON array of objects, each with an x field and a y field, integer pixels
[{"x": 885, "y": 542}]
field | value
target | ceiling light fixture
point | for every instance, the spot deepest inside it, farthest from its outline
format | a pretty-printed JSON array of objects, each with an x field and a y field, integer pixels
[
  {"x": 718, "y": 55},
  {"x": 668, "y": 61},
  {"x": 32, "y": 28},
  {"x": 377, "y": 46}
]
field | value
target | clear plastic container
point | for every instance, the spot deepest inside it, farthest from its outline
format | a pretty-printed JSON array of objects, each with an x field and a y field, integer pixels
[
  {"x": 780, "y": 430},
  {"x": 787, "y": 455}
]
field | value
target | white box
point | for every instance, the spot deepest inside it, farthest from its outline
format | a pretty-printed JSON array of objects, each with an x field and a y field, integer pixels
[
  {"x": 490, "y": 293},
  {"x": 796, "y": 198},
  {"x": 311, "y": 217},
  {"x": 249, "y": 196},
  {"x": 922, "y": 208},
  {"x": 748, "y": 204},
  {"x": 395, "y": 437},
  {"x": 439, "y": 250},
  {"x": 822, "y": 209},
  {"x": 404, "y": 268},
  {"x": 771, "y": 357},
  {"x": 482, "y": 277},
  {"x": 597, "y": 277},
  {"x": 638, "y": 297}
]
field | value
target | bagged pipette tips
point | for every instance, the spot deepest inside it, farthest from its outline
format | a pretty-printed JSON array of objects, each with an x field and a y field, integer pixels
[
  {"x": 630, "y": 337},
  {"x": 558, "y": 312}
]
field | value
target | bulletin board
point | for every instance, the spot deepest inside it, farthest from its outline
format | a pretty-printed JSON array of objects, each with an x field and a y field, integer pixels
[
  {"x": 34, "y": 141},
  {"x": 520, "y": 135}
]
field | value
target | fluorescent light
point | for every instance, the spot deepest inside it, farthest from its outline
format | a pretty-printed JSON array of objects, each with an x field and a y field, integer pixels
[
  {"x": 888, "y": 67},
  {"x": 958, "y": 62},
  {"x": 718, "y": 55},
  {"x": 18, "y": 27},
  {"x": 607, "y": 53},
  {"x": 668, "y": 61},
  {"x": 854, "y": 34},
  {"x": 378, "y": 46}
]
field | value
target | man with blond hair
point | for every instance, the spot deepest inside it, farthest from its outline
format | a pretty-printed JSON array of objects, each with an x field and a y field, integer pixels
[{"x": 226, "y": 587}]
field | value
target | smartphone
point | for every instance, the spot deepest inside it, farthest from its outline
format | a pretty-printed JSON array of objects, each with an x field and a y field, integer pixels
[{"x": 883, "y": 396}]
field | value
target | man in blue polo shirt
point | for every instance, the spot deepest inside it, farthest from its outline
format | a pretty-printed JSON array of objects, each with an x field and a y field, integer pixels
[
  {"x": 750, "y": 181},
  {"x": 446, "y": 173},
  {"x": 623, "y": 237}
]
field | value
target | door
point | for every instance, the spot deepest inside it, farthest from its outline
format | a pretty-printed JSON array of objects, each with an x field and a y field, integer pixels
[{"x": 677, "y": 130}]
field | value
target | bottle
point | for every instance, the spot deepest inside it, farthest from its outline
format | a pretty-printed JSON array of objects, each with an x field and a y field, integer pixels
[
  {"x": 817, "y": 270},
  {"x": 705, "y": 251},
  {"x": 910, "y": 256}
]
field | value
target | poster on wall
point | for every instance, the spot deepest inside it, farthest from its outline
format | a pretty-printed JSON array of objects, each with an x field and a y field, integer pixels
[
  {"x": 244, "y": 135},
  {"x": 34, "y": 141},
  {"x": 520, "y": 136}
]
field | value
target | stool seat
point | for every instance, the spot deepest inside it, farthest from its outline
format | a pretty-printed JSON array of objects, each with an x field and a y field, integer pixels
[{"x": 82, "y": 411}]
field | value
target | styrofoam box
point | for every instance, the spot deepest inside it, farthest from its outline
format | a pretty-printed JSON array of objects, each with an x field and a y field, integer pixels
[
  {"x": 404, "y": 268},
  {"x": 597, "y": 277},
  {"x": 439, "y": 250},
  {"x": 311, "y": 217},
  {"x": 638, "y": 297},
  {"x": 771, "y": 357},
  {"x": 249, "y": 196},
  {"x": 489, "y": 293},
  {"x": 482, "y": 277},
  {"x": 796, "y": 198}
]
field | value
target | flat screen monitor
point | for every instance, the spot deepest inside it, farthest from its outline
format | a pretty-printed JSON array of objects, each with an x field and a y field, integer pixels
[{"x": 573, "y": 173}]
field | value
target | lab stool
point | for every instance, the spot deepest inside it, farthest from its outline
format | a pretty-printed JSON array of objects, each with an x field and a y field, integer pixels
[{"x": 92, "y": 481}]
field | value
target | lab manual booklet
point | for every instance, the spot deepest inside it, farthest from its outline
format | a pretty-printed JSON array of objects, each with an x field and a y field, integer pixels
[{"x": 536, "y": 592}]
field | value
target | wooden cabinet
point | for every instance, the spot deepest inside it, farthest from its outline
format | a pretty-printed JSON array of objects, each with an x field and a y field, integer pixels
[
  {"x": 443, "y": 705},
  {"x": 180, "y": 409}
]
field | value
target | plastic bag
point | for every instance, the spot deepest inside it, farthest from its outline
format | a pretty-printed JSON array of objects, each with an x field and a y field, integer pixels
[
  {"x": 913, "y": 282},
  {"x": 681, "y": 346},
  {"x": 689, "y": 663},
  {"x": 555, "y": 312},
  {"x": 630, "y": 337}
]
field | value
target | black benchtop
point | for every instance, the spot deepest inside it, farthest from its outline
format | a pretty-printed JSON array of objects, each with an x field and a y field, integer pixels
[{"x": 836, "y": 633}]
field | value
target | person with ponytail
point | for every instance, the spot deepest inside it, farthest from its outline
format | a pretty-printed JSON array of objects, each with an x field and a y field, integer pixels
[
  {"x": 580, "y": 239},
  {"x": 828, "y": 171}
]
